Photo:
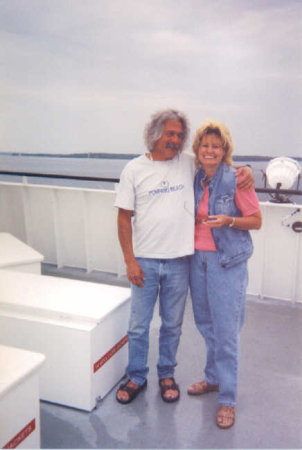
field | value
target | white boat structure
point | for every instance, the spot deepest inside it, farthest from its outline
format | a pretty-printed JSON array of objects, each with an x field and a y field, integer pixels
[{"x": 72, "y": 232}]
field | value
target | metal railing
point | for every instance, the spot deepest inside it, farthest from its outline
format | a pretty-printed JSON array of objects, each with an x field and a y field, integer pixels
[
  {"x": 58, "y": 176},
  {"x": 262, "y": 190},
  {"x": 75, "y": 227}
]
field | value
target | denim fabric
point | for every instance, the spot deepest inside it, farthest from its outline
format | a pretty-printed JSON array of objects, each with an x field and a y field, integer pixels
[
  {"x": 168, "y": 279},
  {"x": 233, "y": 245},
  {"x": 218, "y": 297}
]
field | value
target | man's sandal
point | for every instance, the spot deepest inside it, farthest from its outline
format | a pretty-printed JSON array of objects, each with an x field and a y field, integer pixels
[
  {"x": 168, "y": 384},
  {"x": 131, "y": 391},
  {"x": 202, "y": 387},
  {"x": 225, "y": 417}
]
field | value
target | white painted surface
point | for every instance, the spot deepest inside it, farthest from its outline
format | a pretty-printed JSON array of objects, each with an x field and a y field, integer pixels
[
  {"x": 69, "y": 226},
  {"x": 19, "y": 397},
  {"x": 275, "y": 269},
  {"x": 16, "y": 255},
  {"x": 75, "y": 324},
  {"x": 77, "y": 228}
]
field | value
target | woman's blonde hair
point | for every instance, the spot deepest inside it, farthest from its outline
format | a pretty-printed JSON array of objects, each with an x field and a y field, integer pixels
[{"x": 221, "y": 131}]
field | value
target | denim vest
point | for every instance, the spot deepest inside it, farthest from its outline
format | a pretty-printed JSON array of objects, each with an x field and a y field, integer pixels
[{"x": 233, "y": 246}]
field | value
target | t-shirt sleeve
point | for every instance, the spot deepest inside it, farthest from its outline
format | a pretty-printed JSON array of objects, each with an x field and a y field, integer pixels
[
  {"x": 247, "y": 201},
  {"x": 125, "y": 197}
]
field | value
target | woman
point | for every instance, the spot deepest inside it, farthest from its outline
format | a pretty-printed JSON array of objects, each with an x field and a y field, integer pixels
[{"x": 218, "y": 272}]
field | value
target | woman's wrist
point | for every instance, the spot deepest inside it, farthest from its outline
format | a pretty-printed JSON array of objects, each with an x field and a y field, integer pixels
[{"x": 232, "y": 222}]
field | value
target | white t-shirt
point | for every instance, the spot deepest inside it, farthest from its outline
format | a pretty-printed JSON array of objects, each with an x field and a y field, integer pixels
[{"x": 161, "y": 195}]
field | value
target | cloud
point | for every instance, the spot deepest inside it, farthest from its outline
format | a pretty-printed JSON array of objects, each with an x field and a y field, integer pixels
[
  {"x": 168, "y": 43},
  {"x": 77, "y": 68}
]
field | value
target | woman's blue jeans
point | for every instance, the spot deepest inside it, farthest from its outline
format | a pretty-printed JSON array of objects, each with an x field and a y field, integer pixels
[
  {"x": 168, "y": 279},
  {"x": 218, "y": 297}
]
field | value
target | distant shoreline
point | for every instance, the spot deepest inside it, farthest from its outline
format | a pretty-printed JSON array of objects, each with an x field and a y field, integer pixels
[{"x": 130, "y": 156}]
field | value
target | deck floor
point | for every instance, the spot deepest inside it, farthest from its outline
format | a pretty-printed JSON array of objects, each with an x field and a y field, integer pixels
[{"x": 268, "y": 412}]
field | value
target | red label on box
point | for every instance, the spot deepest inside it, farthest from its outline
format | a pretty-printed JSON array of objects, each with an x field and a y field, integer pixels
[
  {"x": 26, "y": 431},
  {"x": 109, "y": 354}
]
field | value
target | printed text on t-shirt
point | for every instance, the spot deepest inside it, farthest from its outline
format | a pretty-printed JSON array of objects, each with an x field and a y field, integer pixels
[{"x": 166, "y": 190}]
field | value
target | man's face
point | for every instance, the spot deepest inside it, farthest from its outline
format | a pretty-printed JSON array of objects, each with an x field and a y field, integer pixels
[{"x": 168, "y": 145}]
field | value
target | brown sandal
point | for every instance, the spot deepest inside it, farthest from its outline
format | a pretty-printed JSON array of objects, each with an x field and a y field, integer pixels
[
  {"x": 131, "y": 391},
  {"x": 225, "y": 417},
  {"x": 167, "y": 387},
  {"x": 202, "y": 387}
]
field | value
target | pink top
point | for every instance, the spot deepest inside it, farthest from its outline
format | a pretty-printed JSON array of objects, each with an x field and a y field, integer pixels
[{"x": 246, "y": 201}]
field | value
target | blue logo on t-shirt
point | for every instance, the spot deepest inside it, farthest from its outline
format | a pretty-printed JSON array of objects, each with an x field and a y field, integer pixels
[{"x": 166, "y": 189}]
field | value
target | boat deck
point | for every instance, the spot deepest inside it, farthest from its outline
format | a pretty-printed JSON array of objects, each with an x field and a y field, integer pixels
[{"x": 268, "y": 412}]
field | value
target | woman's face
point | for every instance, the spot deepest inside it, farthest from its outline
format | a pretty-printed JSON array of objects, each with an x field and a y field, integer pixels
[{"x": 210, "y": 152}]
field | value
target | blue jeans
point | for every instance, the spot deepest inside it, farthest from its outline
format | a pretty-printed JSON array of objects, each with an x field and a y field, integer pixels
[
  {"x": 218, "y": 297},
  {"x": 168, "y": 278}
]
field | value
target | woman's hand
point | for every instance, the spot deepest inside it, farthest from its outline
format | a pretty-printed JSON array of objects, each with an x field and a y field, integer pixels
[
  {"x": 217, "y": 221},
  {"x": 251, "y": 222}
]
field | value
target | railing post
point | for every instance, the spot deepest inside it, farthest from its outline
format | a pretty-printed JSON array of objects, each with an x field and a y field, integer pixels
[
  {"x": 27, "y": 215},
  {"x": 263, "y": 259},
  {"x": 87, "y": 238},
  {"x": 59, "y": 243},
  {"x": 296, "y": 270}
]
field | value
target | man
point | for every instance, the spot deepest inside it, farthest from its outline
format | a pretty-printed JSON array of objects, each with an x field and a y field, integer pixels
[{"x": 156, "y": 189}]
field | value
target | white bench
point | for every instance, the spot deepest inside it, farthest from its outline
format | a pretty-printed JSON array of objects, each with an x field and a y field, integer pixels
[
  {"x": 15, "y": 255},
  {"x": 19, "y": 398},
  {"x": 80, "y": 326}
]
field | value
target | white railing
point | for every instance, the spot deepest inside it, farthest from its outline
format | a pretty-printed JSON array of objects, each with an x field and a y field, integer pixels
[
  {"x": 77, "y": 228},
  {"x": 69, "y": 226},
  {"x": 275, "y": 267}
]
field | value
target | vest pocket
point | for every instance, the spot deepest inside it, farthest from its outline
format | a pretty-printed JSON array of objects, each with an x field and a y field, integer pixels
[{"x": 225, "y": 205}]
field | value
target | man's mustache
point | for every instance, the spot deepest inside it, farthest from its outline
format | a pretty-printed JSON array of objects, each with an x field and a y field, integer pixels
[{"x": 173, "y": 146}]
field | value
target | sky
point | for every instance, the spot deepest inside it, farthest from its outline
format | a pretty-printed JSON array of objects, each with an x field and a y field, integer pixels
[{"x": 86, "y": 75}]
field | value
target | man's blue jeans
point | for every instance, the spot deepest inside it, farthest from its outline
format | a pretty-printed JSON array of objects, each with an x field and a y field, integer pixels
[
  {"x": 218, "y": 297},
  {"x": 168, "y": 278}
]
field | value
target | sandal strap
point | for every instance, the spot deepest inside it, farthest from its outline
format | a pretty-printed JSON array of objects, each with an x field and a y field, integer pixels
[
  {"x": 130, "y": 390},
  {"x": 202, "y": 387},
  {"x": 227, "y": 413},
  {"x": 165, "y": 387}
]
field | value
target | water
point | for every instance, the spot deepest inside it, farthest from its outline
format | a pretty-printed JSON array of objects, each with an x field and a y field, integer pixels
[{"x": 94, "y": 167}]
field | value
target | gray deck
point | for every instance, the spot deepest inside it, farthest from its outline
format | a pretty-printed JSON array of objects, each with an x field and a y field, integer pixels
[{"x": 269, "y": 409}]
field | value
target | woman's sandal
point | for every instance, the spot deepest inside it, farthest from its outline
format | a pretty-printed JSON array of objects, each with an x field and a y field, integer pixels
[
  {"x": 225, "y": 417},
  {"x": 202, "y": 387},
  {"x": 131, "y": 391},
  {"x": 171, "y": 386}
]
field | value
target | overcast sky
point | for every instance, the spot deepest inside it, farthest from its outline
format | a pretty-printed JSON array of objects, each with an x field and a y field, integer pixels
[{"x": 85, "y": 75}]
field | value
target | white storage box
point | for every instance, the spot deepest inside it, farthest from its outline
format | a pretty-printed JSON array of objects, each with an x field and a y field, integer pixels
[
  {"x": 15, "y": 255},
  {"x": 80, "y": 326},
  {"x": 19, "y": 398}
]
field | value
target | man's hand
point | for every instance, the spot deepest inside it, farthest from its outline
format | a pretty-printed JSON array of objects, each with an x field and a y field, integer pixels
[
  {"x": 135, "y": 274},
  {"x": 134, "y": 271},
  {"x": 246, "y": 178}
]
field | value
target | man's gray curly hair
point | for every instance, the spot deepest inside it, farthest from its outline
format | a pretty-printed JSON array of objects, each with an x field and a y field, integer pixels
[{"x": 154, "y": 129}]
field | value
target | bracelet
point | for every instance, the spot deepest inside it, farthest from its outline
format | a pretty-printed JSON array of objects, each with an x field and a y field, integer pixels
[{"x": 232, "y": 223}]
